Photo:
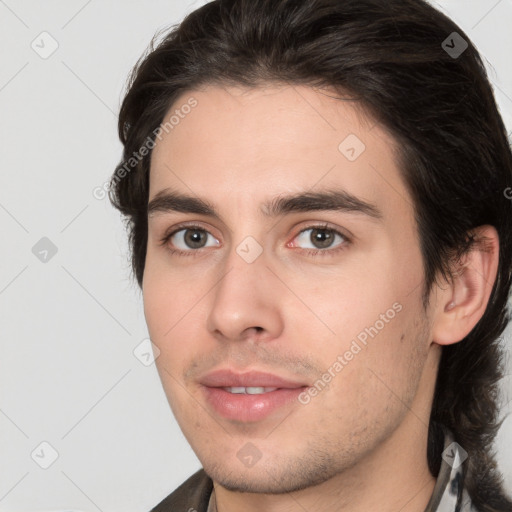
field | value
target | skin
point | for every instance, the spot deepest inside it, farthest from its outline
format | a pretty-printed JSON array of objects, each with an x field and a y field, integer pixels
[{"x": 360, "y": 443}]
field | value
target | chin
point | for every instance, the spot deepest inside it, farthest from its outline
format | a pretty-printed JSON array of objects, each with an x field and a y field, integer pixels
[{"x": 274, "y": 480}]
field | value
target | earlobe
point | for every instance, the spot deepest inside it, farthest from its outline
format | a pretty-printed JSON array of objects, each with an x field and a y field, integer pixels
[{"x": 462, "y": 304}]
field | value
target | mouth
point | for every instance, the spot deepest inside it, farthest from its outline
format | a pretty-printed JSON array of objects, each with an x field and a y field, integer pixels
[{"x": 251, "y": 396}]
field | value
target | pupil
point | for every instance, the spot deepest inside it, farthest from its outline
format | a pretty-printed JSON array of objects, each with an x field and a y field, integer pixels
[
  {"x": 194, "y": 238},
  {"x": 321, "y": 237}
]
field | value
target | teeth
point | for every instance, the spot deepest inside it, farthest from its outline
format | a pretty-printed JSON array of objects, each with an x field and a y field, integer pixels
[
  {"x": 235, "y": 390},
  {"x": 249, "y": 390},
  {"x": 258, "y": 391}
]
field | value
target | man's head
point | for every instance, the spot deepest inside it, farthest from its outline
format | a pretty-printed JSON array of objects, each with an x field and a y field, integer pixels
[{"x": 353, "y": 237}]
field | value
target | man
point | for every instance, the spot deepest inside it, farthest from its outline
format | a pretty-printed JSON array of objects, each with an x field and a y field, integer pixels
[{"x": 316, "y": 197}]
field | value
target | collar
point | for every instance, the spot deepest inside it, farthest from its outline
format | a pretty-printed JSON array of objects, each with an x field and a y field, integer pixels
[{"x": 449, "y": 493}]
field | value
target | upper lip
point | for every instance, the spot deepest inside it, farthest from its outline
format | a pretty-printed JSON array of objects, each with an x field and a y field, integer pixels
[{"x": 226, "y": 378}]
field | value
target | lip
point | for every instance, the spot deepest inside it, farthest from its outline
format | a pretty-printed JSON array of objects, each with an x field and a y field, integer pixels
[
  {"x": 246, "y": 407},
  {"x": 227, "y": 378}
]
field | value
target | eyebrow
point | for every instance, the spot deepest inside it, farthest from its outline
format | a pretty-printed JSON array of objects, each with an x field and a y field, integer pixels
[{"x": 330, "y": 200}]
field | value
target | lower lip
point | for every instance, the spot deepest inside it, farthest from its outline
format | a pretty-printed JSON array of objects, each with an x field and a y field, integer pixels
[{"x": 244, "y": 407}]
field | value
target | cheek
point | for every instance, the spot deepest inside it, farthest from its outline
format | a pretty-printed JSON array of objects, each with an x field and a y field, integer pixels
[
  {"x": 377, "y": 336},
  {"x": 373, "y": 387},
  {"x": 158, "y": 310},
  {"x": 169, "y": 296},
  {"x": 374, "y": 300},
  {"x": 166, "y": 314},
  {"x": 349, "y": 303},
  {"x": 172, "y": 305}
]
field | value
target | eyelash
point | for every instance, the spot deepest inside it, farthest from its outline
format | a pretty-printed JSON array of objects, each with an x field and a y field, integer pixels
[{"x": 310, "y": 252}]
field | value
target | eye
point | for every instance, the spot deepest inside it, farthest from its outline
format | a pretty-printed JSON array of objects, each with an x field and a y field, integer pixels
[
  {"x": 320, "y": 237},
  {"x": 189, "y": 238}
]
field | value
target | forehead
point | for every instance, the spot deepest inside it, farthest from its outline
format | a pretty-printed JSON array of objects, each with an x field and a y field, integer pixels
[{"x": 251, "y": 144}]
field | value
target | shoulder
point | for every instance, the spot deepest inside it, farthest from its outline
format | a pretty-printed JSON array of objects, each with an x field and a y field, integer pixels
[{"x": 191, "y": 496}]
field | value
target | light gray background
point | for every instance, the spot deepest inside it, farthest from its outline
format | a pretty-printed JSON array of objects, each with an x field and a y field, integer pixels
[{"x": 68, "y": 374}]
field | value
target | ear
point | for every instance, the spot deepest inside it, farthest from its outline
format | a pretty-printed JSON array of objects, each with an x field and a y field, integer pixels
[{"x": 460, "y": 306}]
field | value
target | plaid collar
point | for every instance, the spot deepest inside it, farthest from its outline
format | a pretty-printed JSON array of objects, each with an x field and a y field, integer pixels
[{"x": 449, "y": 493}]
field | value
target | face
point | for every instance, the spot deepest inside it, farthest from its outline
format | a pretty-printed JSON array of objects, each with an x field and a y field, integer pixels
[{"x": 286, "y": 305}]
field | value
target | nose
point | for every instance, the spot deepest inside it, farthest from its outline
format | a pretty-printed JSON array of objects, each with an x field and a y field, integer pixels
[{"x": 245, "y": 304}]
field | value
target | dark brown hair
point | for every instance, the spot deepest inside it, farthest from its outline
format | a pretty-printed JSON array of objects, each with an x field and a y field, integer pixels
[{"x": 454, "y": 155}]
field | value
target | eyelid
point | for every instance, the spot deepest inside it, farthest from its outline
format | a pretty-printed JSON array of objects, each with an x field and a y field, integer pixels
[{"x": 187, "y": 225}]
